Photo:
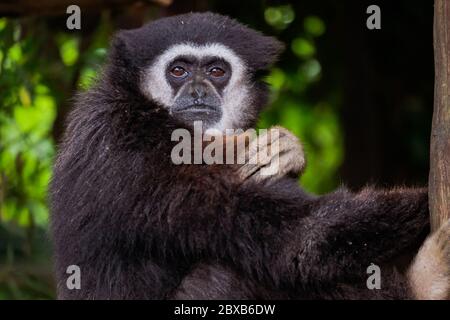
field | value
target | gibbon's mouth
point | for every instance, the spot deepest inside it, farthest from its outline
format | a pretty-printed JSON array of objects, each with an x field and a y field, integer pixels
[
  {"x": 196, "y": 108},
  {"x": 206, "y": 113}
]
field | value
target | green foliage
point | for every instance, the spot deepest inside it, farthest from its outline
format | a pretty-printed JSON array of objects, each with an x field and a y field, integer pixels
[
  {"x": 303, "y": 48},
  {"x": 28, "y": 110},
  {"x": 26, "y": 148},
  {"x": 279, "y": 17},
  {"x": 68, "y": 49},
  {"x": 315, "y": 123},
  {"x": 314, "y": 26},
  {"x": 37, "y": 71}
]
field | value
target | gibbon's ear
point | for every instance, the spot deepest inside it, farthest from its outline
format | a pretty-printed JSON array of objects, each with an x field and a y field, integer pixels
[
  {"x": 130, "y": 48},
  {"x": 121, "y": 49},
  {"x": 257, "y": 50},
  {"x": 125, "y": 58},
  {"x": 269, "y": 49}
]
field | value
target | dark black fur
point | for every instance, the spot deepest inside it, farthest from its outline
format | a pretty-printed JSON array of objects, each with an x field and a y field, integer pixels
[{"x": 140, "y": 227}]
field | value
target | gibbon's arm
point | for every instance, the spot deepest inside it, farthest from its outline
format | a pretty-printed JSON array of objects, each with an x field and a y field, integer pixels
[
  {"x": 355, "y": 210},
  {"x": 278, "y": 234},
  {"x": 347, "y": 232}
]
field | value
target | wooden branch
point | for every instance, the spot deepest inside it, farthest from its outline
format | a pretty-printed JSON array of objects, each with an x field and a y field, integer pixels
[
  {"x": 17, "y": 8},
  {"x": 439, "y": 179}
]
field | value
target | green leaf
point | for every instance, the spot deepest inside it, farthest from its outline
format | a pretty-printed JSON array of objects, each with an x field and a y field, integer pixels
[
  {"x": 69, "y": 51},
  {"x": 314, "y": 26},
  {"x": 303, "y": 48},
  {"x": 279, "y": 17}
]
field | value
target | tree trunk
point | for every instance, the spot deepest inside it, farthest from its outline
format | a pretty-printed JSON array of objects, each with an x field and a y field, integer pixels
[{"x": 439, "y": 180}]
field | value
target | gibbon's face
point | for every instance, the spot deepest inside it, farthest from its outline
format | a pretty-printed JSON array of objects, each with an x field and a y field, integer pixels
[{"x": 205, "y": 83}]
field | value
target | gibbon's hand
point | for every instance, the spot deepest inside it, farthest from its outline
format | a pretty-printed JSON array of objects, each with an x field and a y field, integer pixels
[
  {"x": 272, "y": 155},
  {"x": 429, "y": 274}
]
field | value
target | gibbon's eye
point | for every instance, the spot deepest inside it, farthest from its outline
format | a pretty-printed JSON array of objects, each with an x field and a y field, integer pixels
[
  {"x": 217, "y": 72},
  {"x": 178, "y": 72}
]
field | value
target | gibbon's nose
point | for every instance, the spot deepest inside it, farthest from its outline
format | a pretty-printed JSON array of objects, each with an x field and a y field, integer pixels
[{"x": 198, "y": 91}]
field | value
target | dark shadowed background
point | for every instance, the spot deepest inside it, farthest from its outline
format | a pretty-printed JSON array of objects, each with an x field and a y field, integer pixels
[{"x": 360, "y": 100}]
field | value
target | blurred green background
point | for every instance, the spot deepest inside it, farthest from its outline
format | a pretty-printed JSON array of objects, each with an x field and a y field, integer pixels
[{"x": 360, "y": 100}]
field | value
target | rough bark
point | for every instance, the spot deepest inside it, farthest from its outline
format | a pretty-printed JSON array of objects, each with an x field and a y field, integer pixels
[{"x": 439, "y": 180}]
